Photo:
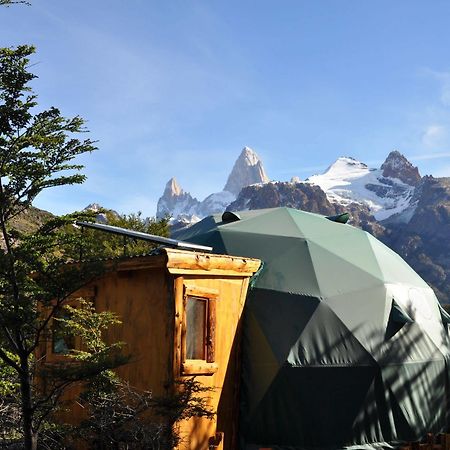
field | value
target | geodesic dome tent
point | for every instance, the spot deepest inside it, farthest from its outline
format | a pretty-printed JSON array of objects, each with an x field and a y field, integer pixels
[{"x": 344, "y": 344}]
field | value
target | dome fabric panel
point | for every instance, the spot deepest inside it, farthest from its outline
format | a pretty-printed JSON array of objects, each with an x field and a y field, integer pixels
[{"x": 320, "y": 368}]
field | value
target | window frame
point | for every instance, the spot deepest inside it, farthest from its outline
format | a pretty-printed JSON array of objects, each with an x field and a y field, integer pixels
[
  {"x": 208, "y": 365},
  {"x": 54, "y": 328},
  {"x": 72, "y": 300}
]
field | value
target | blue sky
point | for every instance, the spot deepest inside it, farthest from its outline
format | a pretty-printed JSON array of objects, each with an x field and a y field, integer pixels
[{"x": 178, "y": 88}]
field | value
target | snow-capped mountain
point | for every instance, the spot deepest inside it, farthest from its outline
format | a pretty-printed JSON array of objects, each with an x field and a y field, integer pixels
[
  {"x": 413, "y": 212},
  {"x": 100, "y": 211},
  {"x": 176, "y": 202},
  {"x": 385, "y": 191},
  {"x": 248, "y": 169},
  {"x": 181, "y": 206},
  {"x": 409, "y": 213}
]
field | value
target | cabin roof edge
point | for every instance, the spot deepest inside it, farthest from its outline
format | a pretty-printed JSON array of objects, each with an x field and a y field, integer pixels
[
  {"x": 184, "y": 262},
  {"x": 181, "y": 261}
]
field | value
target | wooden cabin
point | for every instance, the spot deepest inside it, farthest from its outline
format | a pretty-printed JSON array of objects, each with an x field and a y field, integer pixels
[{"x": 181, "y": 316}]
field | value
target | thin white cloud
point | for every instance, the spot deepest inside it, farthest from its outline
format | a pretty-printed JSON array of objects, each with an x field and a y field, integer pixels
[
  {"x": 428, "y": 156},
  {"x": 434, "y": 135},
  {"x": 444, "y": 80}
]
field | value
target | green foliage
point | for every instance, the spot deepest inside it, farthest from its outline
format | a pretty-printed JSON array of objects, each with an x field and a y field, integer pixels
[
  {"x": 84, "y": 321},
  {"x": 36, "y": 149},
  {"x": 92, "y": 363},
  {"x": 97, "y": 243},
  {"x": 40, "y": 268},
  {"x": 9, "y": 383},
  {"x": 37, "y": 152},
  {"x": 96, "y": 355}
]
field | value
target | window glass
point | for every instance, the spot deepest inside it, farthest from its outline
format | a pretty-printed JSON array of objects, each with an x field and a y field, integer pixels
[
  {"x": 196, "y": 309},
  {"x": 62, "y": 342}
]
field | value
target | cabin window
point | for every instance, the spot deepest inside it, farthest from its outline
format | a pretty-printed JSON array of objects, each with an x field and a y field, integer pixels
[
  {"x": 62, "y": 342},
  {"x": 199, "y": 325},
  {"x": 59, "y": 342},
  {"x": 196, "y": 320}
]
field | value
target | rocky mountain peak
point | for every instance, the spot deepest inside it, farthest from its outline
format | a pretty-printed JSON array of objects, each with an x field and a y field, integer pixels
[
  {"x": 93, "y": 207},
  {"x": 175, "y": 201},
  {"x": 101, "y": 212},
  {"x": 172, "y": 188},
  {"x": 347, "y": 164},
  {"x": 250, "y": 156},
  {"x": 397, "y": 166},
  {"x": 248, "y": 169}
]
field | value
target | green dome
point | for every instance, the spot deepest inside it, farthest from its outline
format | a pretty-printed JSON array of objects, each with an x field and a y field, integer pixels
[{"x": 344, "y": 343}]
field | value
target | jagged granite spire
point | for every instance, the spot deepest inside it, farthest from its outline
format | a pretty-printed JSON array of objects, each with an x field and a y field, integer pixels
[
  {"x": 397, "y": 166},
  {"x": 175, "y": 201},
  {"x": 248, "y": 169},
  {"x": 172, "y": 188}
]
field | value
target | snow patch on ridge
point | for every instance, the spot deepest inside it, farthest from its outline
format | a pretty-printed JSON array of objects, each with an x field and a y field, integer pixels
[{"x": 350, "y": 181}]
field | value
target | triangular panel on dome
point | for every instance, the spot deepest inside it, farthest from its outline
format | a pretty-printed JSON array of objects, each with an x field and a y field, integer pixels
[
  {"x": 282, "y": 317},
  {"x": 409, "y": 345},
  {"x": 397, "y": 319},
  {"x": 276, "y": 222},
  {"x": 422, "y": 306},
  {"x": 261, "y": 369},
  {"x": 326, "y": 341},
  {"x": 287, "y": 263},
  {"x": 363, "y": 312},
  {"x": 354, "y": 248},
  {"x": 336, "y": 275},
  {"x": 393, "y": 267},
  {"x": 315, "y": 225},
  {"x": 374, "y": 422},
  {"x": 310, "y": 407},
  {"x": 417, "y": 392}
]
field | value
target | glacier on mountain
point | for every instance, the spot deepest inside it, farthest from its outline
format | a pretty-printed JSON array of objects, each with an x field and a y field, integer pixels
[
  {"x": 348, "y": 180},
  {"x": 388, "y": 192}
]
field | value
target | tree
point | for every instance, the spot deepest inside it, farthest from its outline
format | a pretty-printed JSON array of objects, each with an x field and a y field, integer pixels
[
  {"x": 118, "y": 415},
  {"x": 37, "y": 152},
  {"x": 108, "y": 245}
]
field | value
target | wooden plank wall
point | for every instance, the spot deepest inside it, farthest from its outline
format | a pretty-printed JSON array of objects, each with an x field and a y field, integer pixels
[
  {"x": 220, "y": 433},
  {"x": 142, "y": 300},
  {"x": 148, "y": 300}
]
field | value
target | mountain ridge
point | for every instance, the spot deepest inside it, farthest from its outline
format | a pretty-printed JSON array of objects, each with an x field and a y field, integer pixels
[
  {"x": 406, "y": 211},
  {"x": 386, "y": 191},
  {"x": 181, "y": 206},
  {"x": 248, "y": 169}
]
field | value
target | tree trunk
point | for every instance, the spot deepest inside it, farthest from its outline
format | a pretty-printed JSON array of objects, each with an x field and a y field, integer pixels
[{"x": 30, "y": 438}]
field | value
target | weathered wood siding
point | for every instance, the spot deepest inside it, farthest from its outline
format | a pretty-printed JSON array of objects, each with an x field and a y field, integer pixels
[
  {"x": 148, "y": 296},
  {"x": 197, "y": 432},
  {"x": 144, "y": 302}
]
